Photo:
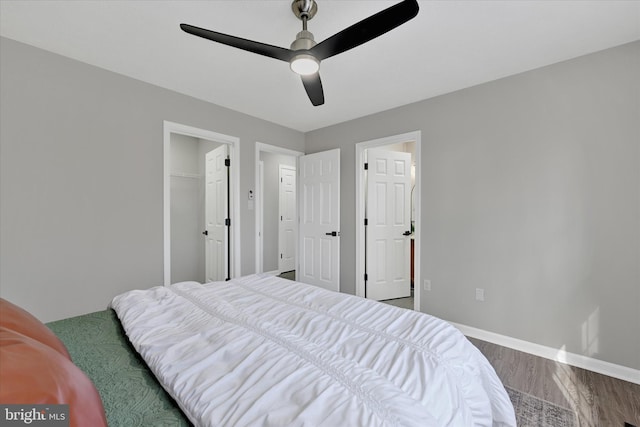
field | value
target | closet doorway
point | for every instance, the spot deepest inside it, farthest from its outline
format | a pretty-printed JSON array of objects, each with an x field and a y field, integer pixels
[{"x": 201, "y": 234}]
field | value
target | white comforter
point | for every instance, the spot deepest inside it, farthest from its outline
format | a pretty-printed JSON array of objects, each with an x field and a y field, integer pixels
[{"x": 264, "y": 351}]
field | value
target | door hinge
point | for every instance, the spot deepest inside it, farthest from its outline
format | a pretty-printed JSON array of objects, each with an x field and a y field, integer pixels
[
  {"x": 366, "y": 221},
  {"x": 227, "y": 162},
  {"x": 366, "y": 277},
  {"x": 280, "y": 256},
  {"x": 366, "y": 166},
  {"x": 227, "y": 222}
]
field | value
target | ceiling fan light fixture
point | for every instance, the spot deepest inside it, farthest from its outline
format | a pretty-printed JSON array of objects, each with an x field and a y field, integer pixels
[
  {"x": 304, "y": 64},
  {"x": 305, "y": 54}
]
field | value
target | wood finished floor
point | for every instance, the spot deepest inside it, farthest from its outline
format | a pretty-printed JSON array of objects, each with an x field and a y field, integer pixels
[{"x": 597, "y": 400}]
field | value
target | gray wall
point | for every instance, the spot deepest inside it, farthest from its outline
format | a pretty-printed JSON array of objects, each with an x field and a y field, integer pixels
[
  {"x": 81, "y": 179},
  {"x": 530, "y": 190}
]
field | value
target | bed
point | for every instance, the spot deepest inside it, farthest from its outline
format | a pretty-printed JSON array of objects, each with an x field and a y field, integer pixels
[{"x": 264, "y": 351}]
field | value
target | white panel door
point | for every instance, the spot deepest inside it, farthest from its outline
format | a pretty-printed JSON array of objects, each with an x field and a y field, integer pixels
[
  {"x": 388, "y": 240},
  {"x": 288, "y": 226},
  {"x": 216, "y": 205},
  {"x": 320, "y": 219}
]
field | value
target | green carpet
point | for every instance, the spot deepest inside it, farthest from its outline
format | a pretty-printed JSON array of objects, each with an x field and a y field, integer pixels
[{"x": 130, "y": 393}]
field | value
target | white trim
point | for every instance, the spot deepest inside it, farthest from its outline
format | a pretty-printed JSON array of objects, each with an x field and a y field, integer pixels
[
  {"x": 234, "y": 150},
  {"x": 559, "y": 355},
  {"x": 260, "y": 147},
  {"x": 166, "y": 208},
  {"x": 416, "y": 137},
  {"x": 259, "y": 217}
]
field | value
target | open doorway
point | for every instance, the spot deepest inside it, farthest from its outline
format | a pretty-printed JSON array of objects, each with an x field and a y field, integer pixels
[
  {"x": 276, "y": 210},
  {"x": 201, "y": 233},
  {"x": 388, "y": 218},
  {"x": 199, "y": 202}
]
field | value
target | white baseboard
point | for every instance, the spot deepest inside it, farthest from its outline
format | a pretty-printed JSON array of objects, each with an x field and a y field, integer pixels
[{"x": 559, "y": 355}]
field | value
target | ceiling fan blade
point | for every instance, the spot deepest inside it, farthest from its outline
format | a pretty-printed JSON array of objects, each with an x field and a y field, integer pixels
[
  {"x": 313, "y": 86},
  {"x": 365, "y": 30},
  {"x": 240, "y": 43}
]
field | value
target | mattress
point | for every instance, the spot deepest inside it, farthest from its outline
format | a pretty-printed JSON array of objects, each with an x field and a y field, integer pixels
[{"x": 261, "y": 350}]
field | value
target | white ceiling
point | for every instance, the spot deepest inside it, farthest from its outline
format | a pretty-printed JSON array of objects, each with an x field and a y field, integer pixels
[{"x": 450, "y": 45}]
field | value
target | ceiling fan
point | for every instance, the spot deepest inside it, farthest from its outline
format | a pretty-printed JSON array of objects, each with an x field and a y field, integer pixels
[{"x": 305, "y": 54}]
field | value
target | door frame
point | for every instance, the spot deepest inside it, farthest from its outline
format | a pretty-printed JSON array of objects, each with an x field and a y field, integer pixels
[
  {"x": 360, "y": 208},
  {"x": 234, "y": 204},
  {"x": 274, "y": 149},
  {"x": 259, "y": 216}
]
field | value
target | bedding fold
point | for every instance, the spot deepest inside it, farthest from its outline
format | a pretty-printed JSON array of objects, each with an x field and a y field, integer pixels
[{"x": 260, "y": 350}]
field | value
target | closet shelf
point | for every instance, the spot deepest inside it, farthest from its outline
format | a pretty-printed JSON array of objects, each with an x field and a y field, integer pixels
[{"x": 186, "y": 175}]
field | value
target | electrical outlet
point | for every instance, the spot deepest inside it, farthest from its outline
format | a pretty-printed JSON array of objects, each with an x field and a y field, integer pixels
[
  {"x": 479, "y": 294},
  {"x": 427, "y": 285}
]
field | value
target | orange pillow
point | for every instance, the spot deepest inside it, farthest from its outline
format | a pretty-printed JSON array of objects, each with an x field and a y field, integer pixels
[
  {"x": 17, "y": 319},
  {"x": 34, "y": 373}
]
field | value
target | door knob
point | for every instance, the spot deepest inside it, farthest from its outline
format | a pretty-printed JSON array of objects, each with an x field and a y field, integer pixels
[
  {"x": 333, "y": 233},
  {"x": 407, "y": 233},
  {"x": 205, "y": 232}
]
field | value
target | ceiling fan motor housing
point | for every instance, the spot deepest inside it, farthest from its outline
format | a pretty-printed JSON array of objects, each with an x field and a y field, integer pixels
[
  {"x": 304, "y": 8},
  {"x": 304, "y": 41}
]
